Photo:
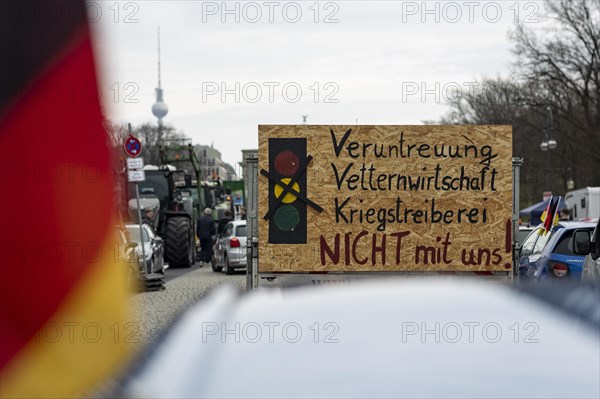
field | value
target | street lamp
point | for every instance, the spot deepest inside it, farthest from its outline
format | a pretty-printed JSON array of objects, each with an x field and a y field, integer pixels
[
  {"x": 548, "y": 144},
  {"x": 570, "y": 181}
]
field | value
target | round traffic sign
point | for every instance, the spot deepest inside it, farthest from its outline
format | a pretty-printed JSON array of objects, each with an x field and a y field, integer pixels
[{"x": 132, "y": 146}]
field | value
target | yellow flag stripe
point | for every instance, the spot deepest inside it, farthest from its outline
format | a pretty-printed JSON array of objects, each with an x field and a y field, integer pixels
[{"x": 88, "y": 337}]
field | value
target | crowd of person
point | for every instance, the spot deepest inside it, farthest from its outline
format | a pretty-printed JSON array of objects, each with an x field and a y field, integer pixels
[{"x": 208, "y": 229}]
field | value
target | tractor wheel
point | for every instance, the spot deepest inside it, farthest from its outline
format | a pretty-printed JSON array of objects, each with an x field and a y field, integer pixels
[{"x": 178, "y": 250}]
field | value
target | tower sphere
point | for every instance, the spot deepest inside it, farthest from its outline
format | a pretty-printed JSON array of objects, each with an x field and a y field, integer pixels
[{"x": 160, "y": 109}]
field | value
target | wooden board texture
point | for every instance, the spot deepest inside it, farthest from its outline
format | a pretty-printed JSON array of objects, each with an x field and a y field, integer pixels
[{"x": 432, "y": 198}]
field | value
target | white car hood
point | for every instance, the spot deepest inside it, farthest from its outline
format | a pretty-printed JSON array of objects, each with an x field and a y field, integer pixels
[{"x": 533, "y": 350}]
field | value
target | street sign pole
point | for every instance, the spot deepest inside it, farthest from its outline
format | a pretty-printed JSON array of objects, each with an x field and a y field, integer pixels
[
  {"x": 139, "y": 211},
  {"x": 252, "y": 222},
  {"x": 137, "y": 199}
]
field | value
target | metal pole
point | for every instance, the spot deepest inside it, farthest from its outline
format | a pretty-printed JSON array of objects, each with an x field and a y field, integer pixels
[
  {"x": 251, "y": 161},
  {"x": 549, "y": 125},
  {"x": 139, "y": 211},
  {"x": 548, "y": 177},
  {"x": 516, "y": 163},
  {"x": 137, "y": 198}
]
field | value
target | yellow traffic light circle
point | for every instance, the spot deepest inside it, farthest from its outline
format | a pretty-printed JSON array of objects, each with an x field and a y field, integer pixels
[{"x": 289, "y": 198}]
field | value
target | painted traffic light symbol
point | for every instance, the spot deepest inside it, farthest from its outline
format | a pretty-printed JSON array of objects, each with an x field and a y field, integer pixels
[{"x": 288, "y": 191}]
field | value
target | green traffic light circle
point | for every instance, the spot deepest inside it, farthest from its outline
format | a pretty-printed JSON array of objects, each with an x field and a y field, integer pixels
[{"x": 286, "y": 218}]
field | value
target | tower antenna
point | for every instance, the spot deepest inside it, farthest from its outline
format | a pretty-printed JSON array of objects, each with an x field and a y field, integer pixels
[{"x": 159, "y": 108}]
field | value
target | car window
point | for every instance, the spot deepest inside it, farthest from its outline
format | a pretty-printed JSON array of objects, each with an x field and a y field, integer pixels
[
  {"x": 529, "y": 243},
  {"x": 564, "y": 245},
  {"x": 240, "y": 231},
  {"x": 135, "y": 234},
  {"x": 228, "y": 230}
]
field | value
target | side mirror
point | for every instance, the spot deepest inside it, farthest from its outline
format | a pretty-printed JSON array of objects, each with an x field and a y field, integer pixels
[{"x": 580, "y": 243}]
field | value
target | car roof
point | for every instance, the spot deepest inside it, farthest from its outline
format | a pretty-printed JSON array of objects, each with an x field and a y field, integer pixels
[
  {"x": 573, "y": 224},
  {"x": 238, "y": 222},
  {"x": 523, "y": 228},
  {"x": 132, "y": 225},
  {"x": 576, "y": 224}
]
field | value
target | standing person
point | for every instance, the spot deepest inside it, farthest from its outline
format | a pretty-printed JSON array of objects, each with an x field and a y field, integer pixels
[
  {"x": 205, "y": 231},
  {"x": 565, "y": 214},
  {"x": 223, "y": 222}
]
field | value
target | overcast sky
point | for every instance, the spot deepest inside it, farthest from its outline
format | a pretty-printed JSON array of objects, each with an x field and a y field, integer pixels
[{"x": 338, "y": 62}]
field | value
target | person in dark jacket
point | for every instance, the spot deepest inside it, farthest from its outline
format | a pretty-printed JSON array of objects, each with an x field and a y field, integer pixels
[
  {"x": 223, "y": 222},
  {"x": 205, "y": 231}
]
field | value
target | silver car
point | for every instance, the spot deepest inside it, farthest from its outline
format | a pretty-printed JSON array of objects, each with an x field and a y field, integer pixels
[
  {"x": 154, "y": 248},
  {"x": 230, "y": 248},
  {"x": 583, "y": 244}
]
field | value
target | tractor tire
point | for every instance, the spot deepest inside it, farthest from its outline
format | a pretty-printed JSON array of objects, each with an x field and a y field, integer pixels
[{"x": 178, "y": 250}]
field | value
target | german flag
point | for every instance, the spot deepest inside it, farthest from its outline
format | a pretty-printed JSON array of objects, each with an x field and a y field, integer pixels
[
  {"x": 62, "y": 284},
  {"x": 549, "y": 217}
]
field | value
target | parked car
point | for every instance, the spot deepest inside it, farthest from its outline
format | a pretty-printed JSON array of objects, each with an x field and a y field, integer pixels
[
  {"x": 548, "y": 256},
  {"x": 230, "y": 248},
  {"x": 589, "y": 247},
  {"x": 127, "y": 253},
  {"x": 523, "y": 233},
  {"x": 154, "y": 247}
]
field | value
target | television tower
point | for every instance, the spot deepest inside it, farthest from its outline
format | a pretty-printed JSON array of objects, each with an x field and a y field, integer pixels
[{"x": 159, "y": 108}]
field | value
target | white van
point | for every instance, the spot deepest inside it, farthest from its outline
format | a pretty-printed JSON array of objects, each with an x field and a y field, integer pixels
[{"x": 584, "y": 203}]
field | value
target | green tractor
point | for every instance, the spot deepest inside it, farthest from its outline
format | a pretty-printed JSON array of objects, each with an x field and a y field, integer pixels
[
  {"x": 171, "y": 200},
  {"x": 181, "y": 151},
  {"x": 167, "y": 205}
]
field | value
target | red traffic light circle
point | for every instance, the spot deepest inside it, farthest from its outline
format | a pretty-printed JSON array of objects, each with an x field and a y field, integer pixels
[{"x": 286, "y": 163}]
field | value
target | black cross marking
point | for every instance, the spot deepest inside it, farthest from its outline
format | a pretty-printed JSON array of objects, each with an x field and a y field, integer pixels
[{"x": 288, "y": 188}]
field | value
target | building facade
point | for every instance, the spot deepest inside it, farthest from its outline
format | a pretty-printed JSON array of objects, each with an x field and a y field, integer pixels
[{"x": 211, "y": 164}]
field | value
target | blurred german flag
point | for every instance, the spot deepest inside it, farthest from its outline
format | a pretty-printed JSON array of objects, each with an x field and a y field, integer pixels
[{"x": 63, "y": 318}]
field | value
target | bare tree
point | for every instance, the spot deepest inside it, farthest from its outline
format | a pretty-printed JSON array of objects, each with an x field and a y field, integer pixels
[
  {"x": 500, "y": 101},
  {"x": 149, "y": 135},
  {"x": 116, "y": 133},
  {"x": 559, "y": 71},
  {"x": 563, "y": 68}
]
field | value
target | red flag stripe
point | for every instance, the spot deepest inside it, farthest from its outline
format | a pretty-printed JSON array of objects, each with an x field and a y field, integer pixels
[{"x": 57, "y": 194}]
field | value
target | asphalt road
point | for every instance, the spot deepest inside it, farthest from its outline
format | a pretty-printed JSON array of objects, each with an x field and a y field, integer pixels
[{"x": 152, "y": 312}]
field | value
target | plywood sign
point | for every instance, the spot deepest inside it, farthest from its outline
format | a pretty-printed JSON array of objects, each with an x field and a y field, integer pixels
[{"x": 384, "y": 198}]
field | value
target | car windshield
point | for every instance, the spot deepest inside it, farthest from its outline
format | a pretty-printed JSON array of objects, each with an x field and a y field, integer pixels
[
  {"x": 534, "y": 243},
  {"x": 155, "y": 183},
  {"x": 540, "y": 243},
  {"x": 134, "y": 231}
]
